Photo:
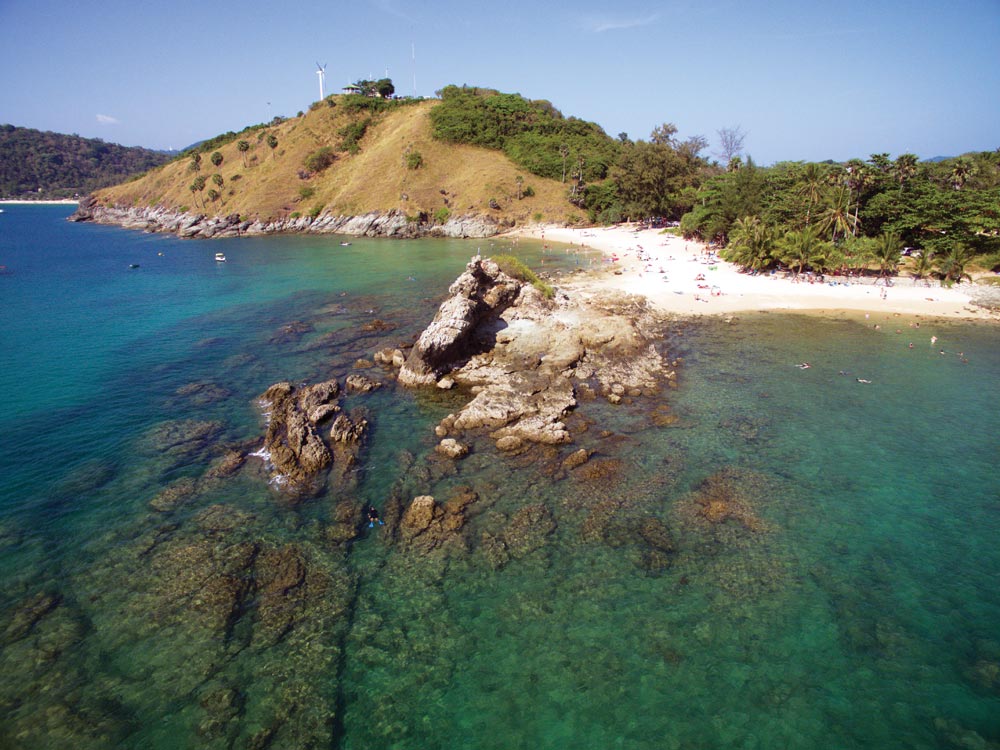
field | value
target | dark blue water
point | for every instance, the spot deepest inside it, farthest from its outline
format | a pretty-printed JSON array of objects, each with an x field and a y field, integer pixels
[{"x": 833, "y": 581}]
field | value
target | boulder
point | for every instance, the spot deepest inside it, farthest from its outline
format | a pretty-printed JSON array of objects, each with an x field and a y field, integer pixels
[
  {"x": 483, "y": 291},
  {"x": 361, "y": 384},
  {"x": 452, "y": 448}
]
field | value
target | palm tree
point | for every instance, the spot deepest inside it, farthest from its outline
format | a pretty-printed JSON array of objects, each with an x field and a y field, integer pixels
[
  {"x": 564, "y": 152},
  {"x": 243, "y": 147},
  {"x": 217, "y": 179},
  {"x": 887, "y": 247},
  {"x": 272, "y": 142},
  {"x": 952, "y": 266},
  {"x": 836, "y": 216},
  {"x": 961, "y": 172},
  {"x": 803, "y": 248},
  {"x": 859, "y": 179},
  {"x": 811, "y": 186},
  {"x": 199, "y": 185},
  {"x": 922, "y": 265},
  {"x": 751, "y": 243},
  {"x": 905, "y": 167},
  {"x": 858, "y": 252},
  {"x": 216, "y": 158}
]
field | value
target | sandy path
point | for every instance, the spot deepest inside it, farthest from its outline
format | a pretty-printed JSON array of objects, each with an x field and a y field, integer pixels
[{"x": 680, "y": 276}]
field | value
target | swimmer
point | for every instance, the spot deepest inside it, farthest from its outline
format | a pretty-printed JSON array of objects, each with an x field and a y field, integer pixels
[
  {"x": 373, "y": 517},
  {"x": 933, "y": 339},
  {"x": 862, "y": 380},
  {"x": 911, "y": 344},
  {"x": 803, "y": 365}
]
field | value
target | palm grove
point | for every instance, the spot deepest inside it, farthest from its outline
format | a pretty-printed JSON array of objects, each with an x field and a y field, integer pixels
[{"x": 852, "y": 217}]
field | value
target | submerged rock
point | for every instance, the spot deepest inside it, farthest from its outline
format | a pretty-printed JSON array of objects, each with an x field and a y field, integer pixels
[{"x": 426, "y": 526}]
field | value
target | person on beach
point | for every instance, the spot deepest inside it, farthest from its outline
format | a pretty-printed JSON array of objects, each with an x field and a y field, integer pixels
[{"x": 373, "y": 517}]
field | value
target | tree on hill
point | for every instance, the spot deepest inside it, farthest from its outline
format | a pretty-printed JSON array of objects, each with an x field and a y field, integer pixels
[
  {"x": 216, "y": 158},
  {"x": 243, "y": 147},
  {"x": 272, "y": 143}
]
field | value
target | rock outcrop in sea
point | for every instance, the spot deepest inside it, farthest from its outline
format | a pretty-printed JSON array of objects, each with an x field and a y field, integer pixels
[
  {"x": 293, "y": 440},
  {"x": 393, "y": 223},
  {"x": 524, "y": 357}
]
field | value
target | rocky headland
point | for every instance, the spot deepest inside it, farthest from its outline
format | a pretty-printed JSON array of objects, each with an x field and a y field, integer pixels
[{"x": 393, "y": 223}]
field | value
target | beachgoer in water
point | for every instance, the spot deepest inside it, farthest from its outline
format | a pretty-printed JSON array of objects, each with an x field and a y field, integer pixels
[
  {"x": 803, "y": 366},
  {"x": 862, "y": 380},
  {"x": 373, "y": 517}
]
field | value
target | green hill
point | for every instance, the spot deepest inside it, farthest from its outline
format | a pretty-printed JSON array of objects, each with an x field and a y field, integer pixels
[{"x": 36, "y": 164}]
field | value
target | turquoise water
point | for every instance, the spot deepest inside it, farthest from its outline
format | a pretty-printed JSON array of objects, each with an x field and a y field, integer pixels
[{"x": 844, "y": 596}]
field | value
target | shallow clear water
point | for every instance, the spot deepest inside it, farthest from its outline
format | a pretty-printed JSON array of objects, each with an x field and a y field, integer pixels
[{"x": 849, "y": 600}]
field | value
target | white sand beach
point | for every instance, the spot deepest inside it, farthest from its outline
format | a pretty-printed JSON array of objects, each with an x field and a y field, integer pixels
[{"x": 682, "y": 276}]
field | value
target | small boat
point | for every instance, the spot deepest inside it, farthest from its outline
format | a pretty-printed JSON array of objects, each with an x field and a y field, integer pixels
[
  {"x": 133, "y": 265},
  {"x": 345, "y": 244},
  {"x": 220, "y": 257}
]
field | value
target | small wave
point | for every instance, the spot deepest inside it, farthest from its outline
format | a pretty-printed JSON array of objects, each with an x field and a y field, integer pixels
[{"x": 264, "y": 454}]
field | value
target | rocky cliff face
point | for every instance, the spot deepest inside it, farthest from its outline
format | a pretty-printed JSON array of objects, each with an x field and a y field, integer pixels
[{"x": 201, "y": 226}]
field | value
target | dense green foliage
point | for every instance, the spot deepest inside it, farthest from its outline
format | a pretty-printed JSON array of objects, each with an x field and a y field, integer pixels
[
  {"x": 655, "y": 178},
  {"x": 352, "y": 103},
  {"x": 36, "y": 164},
  {"x": 612, "y": 179},
  {"x": 352, "y": 133},
  {"x": 859, "y": 215},
  {"x": 320, "y": 159},
  {"x": 534, "y": 134}
]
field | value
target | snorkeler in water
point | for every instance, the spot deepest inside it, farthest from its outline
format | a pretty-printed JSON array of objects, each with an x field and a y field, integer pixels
[{"x": 373, "y": 517}]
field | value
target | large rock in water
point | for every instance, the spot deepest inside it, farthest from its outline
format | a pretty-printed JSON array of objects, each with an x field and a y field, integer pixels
[
  {"x": 481, "y": 292},
  {"x": 298, "y": 452}
]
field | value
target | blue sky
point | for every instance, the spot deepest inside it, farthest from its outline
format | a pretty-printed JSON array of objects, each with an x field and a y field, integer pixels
[{"x": 805, "y": 80}]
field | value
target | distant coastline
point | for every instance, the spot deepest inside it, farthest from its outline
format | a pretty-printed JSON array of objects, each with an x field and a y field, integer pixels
[{"x": 60, "y": 202}]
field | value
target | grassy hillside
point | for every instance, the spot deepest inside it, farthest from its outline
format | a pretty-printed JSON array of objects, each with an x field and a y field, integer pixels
[
  {"x": 37, "y": 164},
  {"x": 384, "y": 157}
]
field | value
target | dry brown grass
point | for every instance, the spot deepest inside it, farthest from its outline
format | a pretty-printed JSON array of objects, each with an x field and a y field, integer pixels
[{"x": 377, "y": 178}]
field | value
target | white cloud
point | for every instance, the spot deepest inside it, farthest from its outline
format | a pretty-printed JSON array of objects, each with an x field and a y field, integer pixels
[
  {"x": 107, "y": 120},
  {"x": 600, "y": 25}
]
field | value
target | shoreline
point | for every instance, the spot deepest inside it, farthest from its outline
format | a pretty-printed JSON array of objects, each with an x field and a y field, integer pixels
[{"x": 683, "y": 277}]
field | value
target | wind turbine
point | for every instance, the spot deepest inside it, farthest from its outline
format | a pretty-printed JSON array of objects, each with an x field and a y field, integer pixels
[{"x": 321, "y": 72}]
